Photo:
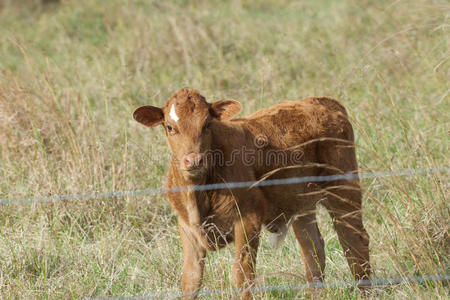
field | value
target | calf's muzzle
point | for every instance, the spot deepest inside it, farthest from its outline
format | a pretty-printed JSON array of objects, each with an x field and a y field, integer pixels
[{"x": 193, "y": 161}]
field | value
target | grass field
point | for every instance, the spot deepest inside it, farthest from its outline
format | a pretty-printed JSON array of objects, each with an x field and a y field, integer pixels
[{"x": 71, "y": 75}]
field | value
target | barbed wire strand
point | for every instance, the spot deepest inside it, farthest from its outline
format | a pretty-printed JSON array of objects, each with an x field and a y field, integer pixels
[
  {"x": 220, "y": 186},
  {"x": 376, "y": 282}
]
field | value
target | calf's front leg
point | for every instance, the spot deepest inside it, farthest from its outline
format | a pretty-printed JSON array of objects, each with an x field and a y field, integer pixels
[
  {"x": 246, "y": 239},
  {"x": 194, "y": 261}
]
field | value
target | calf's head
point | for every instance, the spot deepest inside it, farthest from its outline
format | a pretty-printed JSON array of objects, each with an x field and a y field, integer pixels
[{"x": 188, "y": 121}]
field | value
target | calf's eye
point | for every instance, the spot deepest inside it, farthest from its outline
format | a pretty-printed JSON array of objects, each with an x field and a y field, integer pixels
[{"x": 169, "y": 128}]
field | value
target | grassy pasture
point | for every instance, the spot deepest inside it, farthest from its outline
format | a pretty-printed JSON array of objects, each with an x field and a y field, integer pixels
[{"x": 71, "y": 75}]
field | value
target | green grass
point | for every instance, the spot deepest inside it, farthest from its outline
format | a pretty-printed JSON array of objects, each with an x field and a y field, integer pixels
[{"x": 71, "y": 75}]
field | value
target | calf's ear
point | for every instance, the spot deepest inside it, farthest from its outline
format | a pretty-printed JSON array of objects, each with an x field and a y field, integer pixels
[
  {"x": 225, "y": 109},
  {"x": 150, "y": 116}
]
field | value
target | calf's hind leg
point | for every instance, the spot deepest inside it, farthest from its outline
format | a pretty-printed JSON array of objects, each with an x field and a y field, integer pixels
[
  {"x": 344, "y": 205},
  {"x": 311, "y": 244},
  {"x": 343, "y": 202}
]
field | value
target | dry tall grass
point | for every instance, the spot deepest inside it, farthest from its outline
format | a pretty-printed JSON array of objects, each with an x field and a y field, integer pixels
[{"x": 71, "y": 74}]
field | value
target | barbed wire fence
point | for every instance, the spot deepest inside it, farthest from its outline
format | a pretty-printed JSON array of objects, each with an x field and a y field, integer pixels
[
  {"x": 226, "y": 185},
  {"x": 375, "y": 282}
]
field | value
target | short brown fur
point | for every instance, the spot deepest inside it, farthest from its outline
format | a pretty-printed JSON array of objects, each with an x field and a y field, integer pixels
[{"x": 316, "y": 130}]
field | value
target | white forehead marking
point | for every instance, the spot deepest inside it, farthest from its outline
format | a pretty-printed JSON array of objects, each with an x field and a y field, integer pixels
[{"x": 173, "y": 114}]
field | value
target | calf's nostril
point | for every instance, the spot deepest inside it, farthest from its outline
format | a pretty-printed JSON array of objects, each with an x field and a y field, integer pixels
[
  {"x": 199, "y": 160},
  {"x": 188, "y": 162}
]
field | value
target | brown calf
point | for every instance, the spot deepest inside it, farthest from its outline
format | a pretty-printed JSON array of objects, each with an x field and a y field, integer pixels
[{"x": 312, "y": 137}]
